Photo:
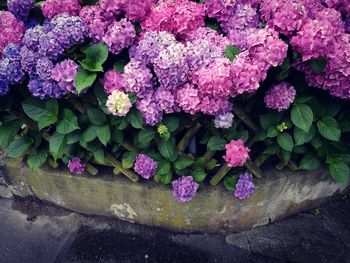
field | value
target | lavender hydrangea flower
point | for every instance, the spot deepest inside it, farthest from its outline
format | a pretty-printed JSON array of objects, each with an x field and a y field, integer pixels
[
  {"x": 32, "y": 36},
  {"x": 64, "y": 73},
  {"x": 44, "y": 67},
  {"x": 121, "y": 34},
  {"x": 20, "y": 8},
  {"x": 145, "y": 166},
  {"x": 166, "y": 100},
  {"x": 11, "y": 71},
  {"x": 149, "y": 108},
  {"x": 45, "y": 89},
  {"x": 4, "y": 87},
  {"x": 29, "y": 59},
  {"x": 184, "y": 189},
  {"x": 280, "y": 96},
  {"x": 244, "y": 187},
  {"x": 12, "y": 52},
  {"x": 49, "y": 46},
  {"x": 223, "y": 120},
  {"x": 76, "y": 166}
]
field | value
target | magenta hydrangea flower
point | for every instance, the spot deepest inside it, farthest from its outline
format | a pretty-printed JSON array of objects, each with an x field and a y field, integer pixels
[
  {"x": 137, "y": 78},
  {"x": 340, "y": 5},
  {"x": 11, "y": 30},
  {"x": 166, "y": 100},
  {"x": 76, "y": 166},
  {"x": 347, "y": 25},
  {"x": 96, "y": 20},
  {"x": 112, "y": 81},
  {"x": 214, "y": 105},
  {"x": 151, "y": 112},
  {"x": 20, "y": 8},
  {"x": 121, "y": 34},
  {"x": 210, "y": 35},
  {"x": 64, "y": 73},
  {"x": 145, "y": 166},
  {"x": 236, "y": 153},
  {"x": 244, "y": 187},
  {"x": 111, "y": 7},
  {"x": 184, "y": 189},
  {"x": 188, "y": 99},
  {"x": 224, "y": 120},
  {"x": 280, "y": 96},
  {"x": 52, "y": 8},
  {"x": 214, "y": 80},
  {"x": 137, "y": 10},
  {"x": 220, "y": 9}
]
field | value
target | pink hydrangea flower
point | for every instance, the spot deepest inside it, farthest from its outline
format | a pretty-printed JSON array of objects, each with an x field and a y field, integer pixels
[
  {"x": 280, "y": 96},
  {"x": 64, "y": 73},
  {"x": 137, "y": 10},
  {"x": 220, "y": 9},
  {"x": 236, "y": 153},
  {"x": 213, "y": 105},
  {"x": 11, "y": 30},
  {"x": 112, "y": 81},
  {"x": 52, "y": 8},
  {"x": 188, "y": 99},
  {"x": 111, "y": 7},
  {"x": 76, "y": 166}
]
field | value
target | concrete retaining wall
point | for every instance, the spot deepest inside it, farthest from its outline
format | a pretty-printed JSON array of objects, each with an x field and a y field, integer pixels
[{"x": 279, "y": 194}]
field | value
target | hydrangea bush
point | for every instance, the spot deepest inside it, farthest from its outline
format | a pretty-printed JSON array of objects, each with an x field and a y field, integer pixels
[{"x": 181, "y": 92}]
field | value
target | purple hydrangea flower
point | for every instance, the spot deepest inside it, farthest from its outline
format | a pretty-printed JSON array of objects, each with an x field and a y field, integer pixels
[
  {"x": 4, "y": 87},
  {"x": 245, "y": 186},
  {"x": 20, "y": 8},
  {"x": 145, "y": 166},
  {"x": 149, "y": 108},
  {"x": 121, "y": 34},
  {"x": 12, "y": 52},
  {"x": 44, "y": 67},
  {"x": 137, "y": 11},
  {"x": 166, "y": 100},
  {"x": 76, "y": 166},
  {"x": 184, "y": 189},
  {"x": 11, "y": 29},
  {"x": 64, "y": 73},
  {"x": 347, "y": 25},
  {"x": 45, "y": 89},
  {"x": 11, "y": 70},
  {"x": 49, "y": 46},
  {"x": 29, "y": 59},
  {"x": 32, "y": 36},
  {"x": 223, "y": 120},
  {"x": 280, "y": 96}
]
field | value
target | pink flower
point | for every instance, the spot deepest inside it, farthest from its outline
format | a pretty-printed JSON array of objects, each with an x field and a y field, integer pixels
[
  {"x": 11, "y": 30},
  {"x": 188, "y": 99},
  {"x": 280, "y": 96},
  {"x": 112, "y": 81},
  {"x": 236, "y": 153},
  {"x": 52, "y": 8}
]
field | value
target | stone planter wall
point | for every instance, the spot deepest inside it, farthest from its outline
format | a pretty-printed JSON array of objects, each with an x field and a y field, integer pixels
[{"x": 279, "y": 194}]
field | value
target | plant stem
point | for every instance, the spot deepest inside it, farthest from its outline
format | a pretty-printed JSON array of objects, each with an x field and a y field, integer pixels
[
  {"x": 90, "y": 169},
  {"x": 261, "y": 159},
  {"x": 220, "y": 174},
  {"x": 52, "y": 163},
  {"x": 209, "y": 155},
  {"x": 188, "y": 136},
  {"x": 243, "y": 116},
  {"x": 131, "y": 175},
  {"x": 253, "y": 169}
]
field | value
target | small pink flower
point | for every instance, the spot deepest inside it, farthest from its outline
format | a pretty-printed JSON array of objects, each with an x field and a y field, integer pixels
[{"x": 236, "y": 153}]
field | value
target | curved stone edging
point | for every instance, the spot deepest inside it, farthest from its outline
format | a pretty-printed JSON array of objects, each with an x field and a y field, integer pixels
[{"x": 278, "y": 195}]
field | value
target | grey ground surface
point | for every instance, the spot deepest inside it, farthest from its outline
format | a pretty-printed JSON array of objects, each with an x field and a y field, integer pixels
[{"x": 35, "y": 232}]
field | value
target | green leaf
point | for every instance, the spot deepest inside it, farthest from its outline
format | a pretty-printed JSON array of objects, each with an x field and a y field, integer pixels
[
  {"x": 57, "y": 144},
  {"x": 166, "y": 178},
  {"x": 52, "y": 106},
  {"x": 96, "y": 55},
  {"x": 216, "y": 143},
  {"x": 117, "y": 136},
  {"x": 104, "y": 134},
  {"x": 183, "y": 162},
  {"x": 18, "y": 147},
  {"x": 340, "y": 172},
  {"x": 146, "y": 135},
  {"x": 96, "y": 116},
  {"x": 73, "y": 137},
  {"x": 135, "y": 118},
  {"x": 301, "y": 137},
  {"x": 84, "y": 79},
  {"x": 285, "y": 141},
  {"x": 231, "y": 52},
  {"x": 272, "y": 132},
  {"x": 333, "y": 109},
  {"x": 318, "y": 65},
  {"x": 163, "y": 167},
  {"x": 172, "y": 123},
  {"x": 302, "y": 116},
  {"x": 34, "y": 108},
  {"x": 168, "y": 149},
  {"x": 90, "y": 134},
  {"x": 128, "y": 159},
  {"x": 199, "y": 175},
  {"x": 310, "y": 162},
  {"x": 37, "y": 159},
  {"x": 270, "y": 120},
  {"x": 329, "y": 128},
  {"x": 99, "y": 155},
  {"x": 8, "y": 132},
  {"x": 68, "y": 122},
  {"x": 211, "y": 164},
  {"x": 230, "y": 182},
  {"x": 46, "y": 121}
]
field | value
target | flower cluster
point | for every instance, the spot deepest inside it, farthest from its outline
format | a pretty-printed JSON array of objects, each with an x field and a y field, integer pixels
[
  {"x": 184, "y": 189},
  {"x": 118, "y": 103},
  {"x": 145, "y": 166},
  {"x": 76, "y": 166},
  {"x": 52, "y": 8},
  {"x": 11, "y": 30},
  {"x": 244, "y": 187},
  {"x": 280, "y": 96},
  {"x": 236, "y": 153},
  {"x": 20, "y": 8}
]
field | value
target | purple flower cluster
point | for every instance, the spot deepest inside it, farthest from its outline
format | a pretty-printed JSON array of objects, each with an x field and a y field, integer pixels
[
  {"x": 52, "y": 8},
  {"x": 244, "y": 187},
  {"x": 280, "y": 96},
  {"x": 76, "y": 166},
  {"x": 184, "y": 189},
  {"x": 145, "y": 166},
  {"x": 20, "y": 8},
  {"x": 11, "y": 30}
]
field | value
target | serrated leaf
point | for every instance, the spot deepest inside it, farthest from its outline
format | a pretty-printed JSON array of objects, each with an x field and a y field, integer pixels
[
  {"x": 183, "y": 162},
  {"x": 68, "y": 122},
  {"x": 99, "y": 155},
  {"x": 285, "y": 141},
  {"x": 231, "y": 52},
  {"x": 163, "y": 167},
  {"x": 199, "y": 175},
  {"x": 302, "y": 116},
  {"x": 18, "y": 147},
  {"x": 46, "y": 121},
  {"x": 84, "y": 79},
  {"x": 129, "y": 159},
  {"x": 340, "y": 172},
  {"x": 216, "y": 143},
  {"x": 90, "y": 134},
  {"x": 329, "y": 128},
  {"x": 230, "y": 182},
  {"x": 104, "y": 134},
  {"x": 135, "y": 118},
  {"x": 146, "y": 135},
  {"x": 168, "y": 149},
  {"x": 36, "y": 159},
  {"x": 172, "y": 123},
  {"x": 310, "y": 162},
  {"x": 96, "y": 116},
  {"x": 8, "y": 132},
  {"x": 57, "y": 144},
  {"x": 96, "y": 55}
]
